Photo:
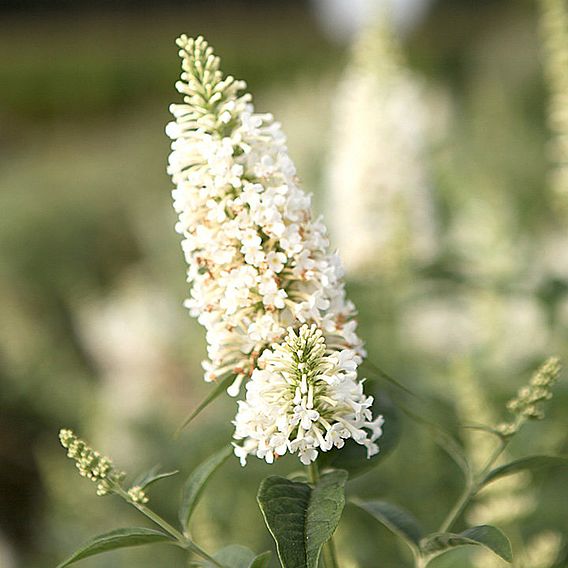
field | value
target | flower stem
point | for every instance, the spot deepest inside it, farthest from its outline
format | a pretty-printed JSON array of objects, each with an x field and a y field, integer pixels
[
  {"x": 472, "y": 488},
  {"x": 313, "y": 473},
  {"x": 468, "y": 494},
  {"x": 329, "y": 553},
  {"x": 182, "y": 540}
]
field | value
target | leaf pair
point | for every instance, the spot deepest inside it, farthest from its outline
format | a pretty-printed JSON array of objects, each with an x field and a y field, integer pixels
[
  {"x": 404, "y": 525},
  {"x": 302, "y": 517}
]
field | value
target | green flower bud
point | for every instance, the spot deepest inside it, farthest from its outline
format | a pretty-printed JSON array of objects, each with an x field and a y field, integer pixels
[{"x": 90, "y": 463}]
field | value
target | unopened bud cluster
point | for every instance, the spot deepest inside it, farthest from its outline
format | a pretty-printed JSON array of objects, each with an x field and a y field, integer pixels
[
  {"x": 527, "y": 405},
  {"x": 137, "y": 495},
  {"x": 90, "y": 463}
]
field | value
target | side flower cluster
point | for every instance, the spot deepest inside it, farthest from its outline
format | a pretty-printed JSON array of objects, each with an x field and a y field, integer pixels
[
  {"x": 90, "y": 463},
  {"x": 98, "y": 468},
  {"x": 258, "y": 262},
  {"x": 528, "y": 404},
  {"x": 304, "y": 399}
]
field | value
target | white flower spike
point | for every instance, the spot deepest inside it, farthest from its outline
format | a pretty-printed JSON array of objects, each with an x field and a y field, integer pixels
[
  {"x": 259, "y": 268},
  {"x": 258, "y": 263}
]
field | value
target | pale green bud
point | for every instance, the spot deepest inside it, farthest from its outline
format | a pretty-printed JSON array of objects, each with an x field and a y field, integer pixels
[
  {"x": 137, "y": 494},
  {"x": 527, "y": 405},
  {"x": 90, "y": 463}
]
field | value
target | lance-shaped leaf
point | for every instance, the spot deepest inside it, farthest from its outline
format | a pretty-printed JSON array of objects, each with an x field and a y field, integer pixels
[
  {"x": 484, "y": 535},
  {"x": 301, "y": 518},
  {"x": 352, "y": 457},
  {"x": 120, "y": 538},
  {"x": 233, "y": 556},
  {"x": 196, "y": 482},
  {"x": 236, "y": 556},
  {"x": 221, "y": 386},
  {"x": 151, "y": 476},
  {"x": 531, "y": 463},
  {"x": 262, "y": 560},
  {"x": 397, "y": 520}
]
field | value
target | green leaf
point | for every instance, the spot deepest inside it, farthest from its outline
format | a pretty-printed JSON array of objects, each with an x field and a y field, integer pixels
[
  {"x": 261, "y": 561},
  {"x": 397, "y": 520},
  {"x": 120, "y": 538},
  {"x": 196, "y": 482},
  {"x": 352, "y": 457},
  {"x": 152, "y": 476},
  {"x": 530, "y": 463},
  {"x": 485, "y": 535},
  {"x": 236, "y": 556},
  {"x": 301, "y": 518},
  {"x": 215, "y": 392}
]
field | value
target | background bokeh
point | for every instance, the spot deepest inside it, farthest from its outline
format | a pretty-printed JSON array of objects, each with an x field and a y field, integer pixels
[{"x": 93, "y": 333}]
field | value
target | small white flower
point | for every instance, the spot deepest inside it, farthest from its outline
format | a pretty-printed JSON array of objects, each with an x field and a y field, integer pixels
[{"x": 276, "y": 261}]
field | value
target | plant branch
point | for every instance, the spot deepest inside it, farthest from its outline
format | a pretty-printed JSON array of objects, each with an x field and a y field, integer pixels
[
  {"x": 182, "y": 540},
  {"x": 472, "y": 487}
]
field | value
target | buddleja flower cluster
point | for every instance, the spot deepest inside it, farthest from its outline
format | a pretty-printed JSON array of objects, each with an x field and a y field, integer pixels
[
  {"x": 258, "y": 262},
  {"x": 304, "y": 398}
]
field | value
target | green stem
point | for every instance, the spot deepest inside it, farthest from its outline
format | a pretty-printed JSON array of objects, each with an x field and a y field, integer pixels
[
  {"x": 472, "y": 487},
  {"x": 182, "y": 540},
  {"x": 468, "y": 494},
  {"x": 329, "y": 553},
  {"x": 313, "y": 473},
  {"x": 420, "y": 561}
]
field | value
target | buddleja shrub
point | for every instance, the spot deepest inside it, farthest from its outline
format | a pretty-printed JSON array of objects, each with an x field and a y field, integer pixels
[{"x": 282, "y": 337}]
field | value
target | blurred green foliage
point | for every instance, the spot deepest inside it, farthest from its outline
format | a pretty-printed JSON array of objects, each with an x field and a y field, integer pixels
[{"x": 85, "y": 206}]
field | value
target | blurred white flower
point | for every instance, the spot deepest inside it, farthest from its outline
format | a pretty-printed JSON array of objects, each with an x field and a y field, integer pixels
[
  {"x": 554, "y": 33},
  {"x": 131, "y": 335},
  {"x": 543, "y": 550},
  {"x": 478, "y": 321},
  {"x": 304, "y": 399},
  {"x": 342, "y": 19},
  {"x": 381, "y": 207},
  {"x": 258, "y": 262}
]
